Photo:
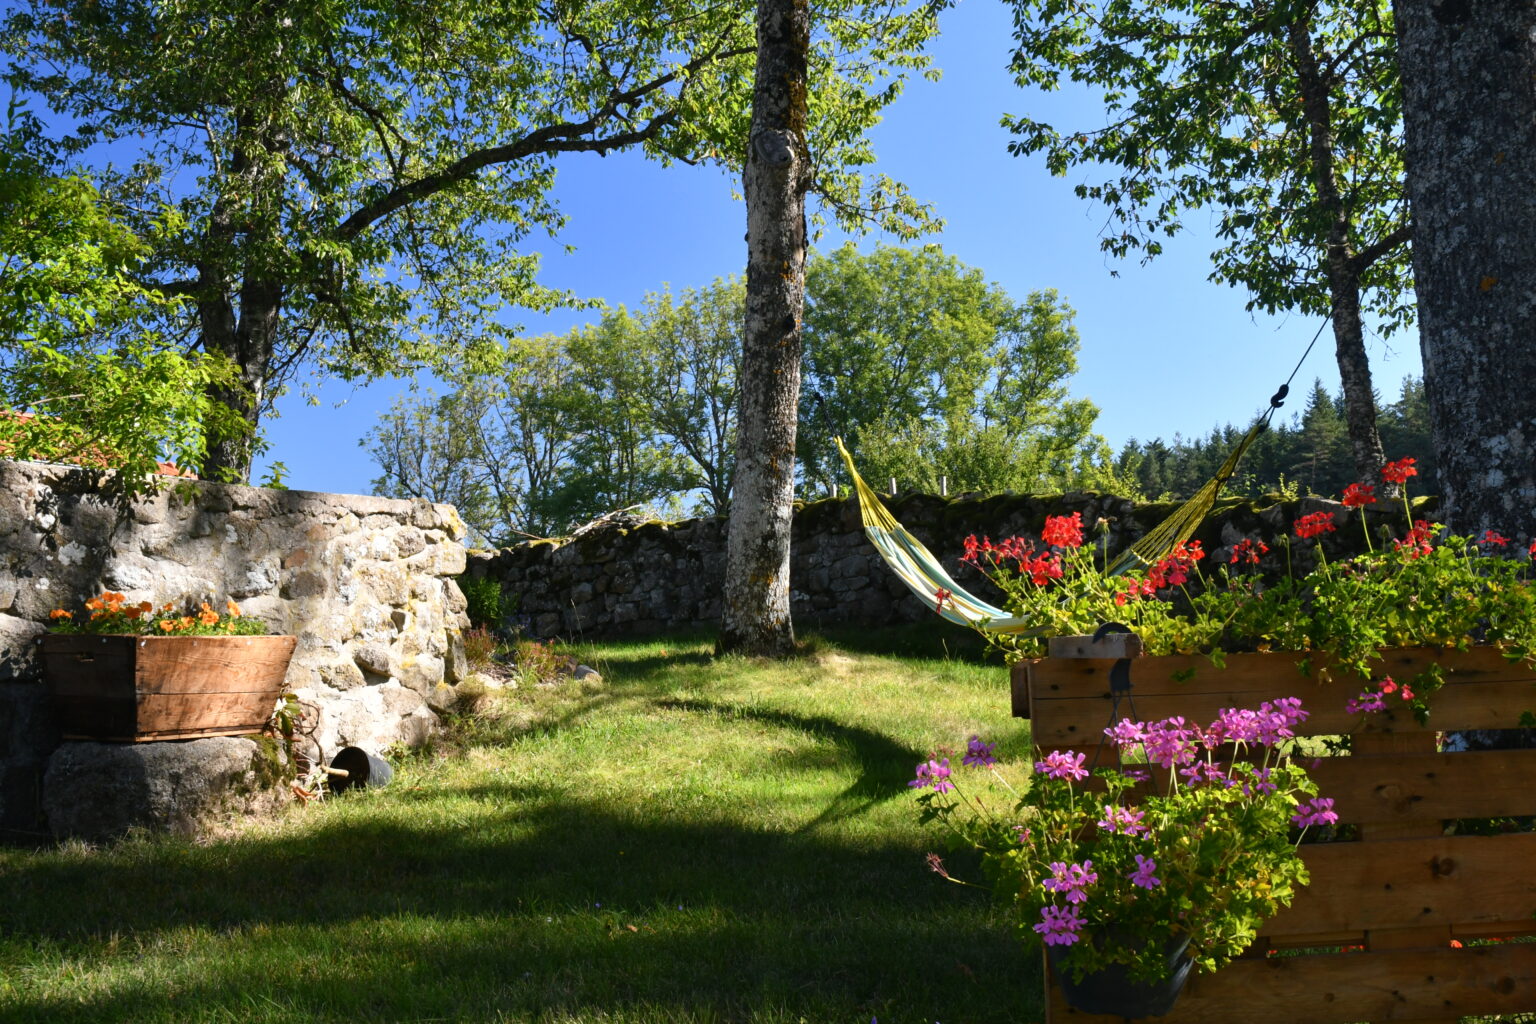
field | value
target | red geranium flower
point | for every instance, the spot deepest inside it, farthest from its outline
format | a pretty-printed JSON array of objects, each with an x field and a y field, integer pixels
[
  {"x": 1248, "y": 551},
  {"x": 1494, "y": 539},
  {"x": 1314, "y": 524},
  {"x": 1356, "y": 495},
  {"x": 1416, "y": 544},
  {"x": 1398, "y": 472},
  {"x": 1063, "y": 531}
]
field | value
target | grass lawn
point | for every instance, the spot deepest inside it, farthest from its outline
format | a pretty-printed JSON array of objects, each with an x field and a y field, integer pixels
[{"x": 692, "y": 840}]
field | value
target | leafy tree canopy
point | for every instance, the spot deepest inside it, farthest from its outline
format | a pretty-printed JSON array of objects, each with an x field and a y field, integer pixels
[
  {"x": 1285, "y": 118},
  {"x": 352, "y": 179},
  {"x": 90, "y": 371}
]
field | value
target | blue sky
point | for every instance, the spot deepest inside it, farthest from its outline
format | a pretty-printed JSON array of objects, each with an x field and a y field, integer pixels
[{"x": 1163, "y": 350}]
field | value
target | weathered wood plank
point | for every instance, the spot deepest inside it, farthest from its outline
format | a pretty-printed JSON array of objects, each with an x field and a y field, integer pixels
[
  {"x": 128, "y": 688},
  {"x": 1018, "y": 688},
  {"x": 1484, "y": 690},
  {"x": 1421, "y": 985},
  {"x": 1063, "y": 717},
  {"x": 212, "y": 664},
  {"x": 1400, "y": 883},
  {"x": 1387, "y": 788},
  {"x": 1372, "y": 748}
]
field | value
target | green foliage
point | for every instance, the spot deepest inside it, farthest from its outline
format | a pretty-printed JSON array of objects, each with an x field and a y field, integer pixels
[
  {"x": 486, "y": 602},
  {"x": 1285, "y": 120},
  {"x": 1222, "y": 857},
  {"x": 540, "y": 661},
  {"x": 353, "y": 183},
  {"x": 1415, "y": 590},
  {"x": 1310, "y": 454},
  {"x": 932, "y": 373},
  {"x": 90, "y": 369},
  {"x": 479, "y": 645},
  {"x": 640, "y": 407}
]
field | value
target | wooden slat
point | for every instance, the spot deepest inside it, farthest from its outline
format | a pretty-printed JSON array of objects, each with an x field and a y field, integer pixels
[
  {"x": 1067, "y": 708},
  {"x": 1373, "y": 747},
  {"x": 212, "y": 664},
  {"x": 1438, "y": 985},
  {"x": 1480, "y": 784},
  {"x": 164, "y": 713},
  {"x": 1018, "y": 688},
  {"x": 1401, "y": 883}
]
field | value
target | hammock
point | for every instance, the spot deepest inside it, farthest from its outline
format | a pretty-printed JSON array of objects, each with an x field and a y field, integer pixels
[{"x": 915, "y": 565}]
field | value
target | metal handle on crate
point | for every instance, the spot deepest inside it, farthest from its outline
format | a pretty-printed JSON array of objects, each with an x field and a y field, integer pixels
[{"x": 1120, "y": 674}]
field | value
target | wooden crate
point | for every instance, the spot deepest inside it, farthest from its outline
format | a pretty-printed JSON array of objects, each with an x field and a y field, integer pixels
[
  {"x": 134, "y": 689},
  {"x": 1402, "y": 893}
]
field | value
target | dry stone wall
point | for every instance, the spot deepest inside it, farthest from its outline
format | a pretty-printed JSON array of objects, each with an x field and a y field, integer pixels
[
  {"x": 365, "y": 584},
  {"x": 641, "y": 577}
]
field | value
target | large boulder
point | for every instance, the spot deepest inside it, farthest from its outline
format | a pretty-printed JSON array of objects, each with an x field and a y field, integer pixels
[{"x": 99, "y": 791}]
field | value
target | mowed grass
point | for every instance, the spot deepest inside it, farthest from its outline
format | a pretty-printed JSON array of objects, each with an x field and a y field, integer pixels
[{"x": 694, "y": 839}]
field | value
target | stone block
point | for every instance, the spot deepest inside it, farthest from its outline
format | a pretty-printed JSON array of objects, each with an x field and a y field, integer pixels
[
  {"x": 99, "y": 791},
  {"x": 373, "y": 658}
]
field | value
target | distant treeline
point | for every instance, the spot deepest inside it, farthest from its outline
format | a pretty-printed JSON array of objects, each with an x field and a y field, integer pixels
[{"x": 1309, "y": 454}]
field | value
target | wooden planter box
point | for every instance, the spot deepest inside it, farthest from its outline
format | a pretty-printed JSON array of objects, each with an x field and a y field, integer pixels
[
  {"x": 1397, "y": 898},
  {"x": 135, "y": 689}
]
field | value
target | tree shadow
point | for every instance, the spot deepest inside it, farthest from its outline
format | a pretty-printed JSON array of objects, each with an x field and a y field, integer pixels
[{"x": 540, "y": 906}]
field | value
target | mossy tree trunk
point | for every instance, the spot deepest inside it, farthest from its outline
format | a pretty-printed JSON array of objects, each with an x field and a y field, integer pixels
[
  {"x": 755, "y": 609},
  {"x": 1469, "y": 93}
]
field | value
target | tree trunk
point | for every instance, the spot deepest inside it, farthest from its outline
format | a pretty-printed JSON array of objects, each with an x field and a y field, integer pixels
[
  {"x": 755, "y": 607},
  {"x": 1469, "y": 98},
  {"x": 1340, "y": 263},
  {"x": 248, "y": 338}
]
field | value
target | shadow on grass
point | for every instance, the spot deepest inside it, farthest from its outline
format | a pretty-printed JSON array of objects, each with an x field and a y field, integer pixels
[
  {"x": 538, "y": 907},
  {"x": 935, "y": 640},
  {"x": 885, "y": 766}
]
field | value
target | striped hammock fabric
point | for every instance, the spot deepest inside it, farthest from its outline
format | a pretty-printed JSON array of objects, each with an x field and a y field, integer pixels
[{"x": 915, "y": 566}]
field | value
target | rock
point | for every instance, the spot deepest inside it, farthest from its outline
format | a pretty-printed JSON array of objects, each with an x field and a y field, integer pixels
[
  {"x": 99, "y": 791},
  {"x": 586, "y": 672},
  {"x": 372, "y": 658}
]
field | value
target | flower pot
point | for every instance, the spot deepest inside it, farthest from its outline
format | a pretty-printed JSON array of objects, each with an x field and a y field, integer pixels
[
  {"x": 134, "y": 689},
  {"x": 1112, "y": 991}
]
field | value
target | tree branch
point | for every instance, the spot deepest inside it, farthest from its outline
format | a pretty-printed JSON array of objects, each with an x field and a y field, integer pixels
[
  {"x": 1376, "y": 250},
  {"x": 566, "y": 137}
]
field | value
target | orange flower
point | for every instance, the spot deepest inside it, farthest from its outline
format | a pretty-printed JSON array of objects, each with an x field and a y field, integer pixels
[
  {"x": 185, "y": 622},
  {"x": 146, "y": 607},
  {"x": 232, "y": 608},
  {"x": 96, "y": 615},
  {"x": 167, "y": 607},
  {"x": 132, "y": 613},
  {"x": 93, "y": 604},
  {"x": 167, "y": 626},
  {"x": 208, "y": 618},
  {"x": 113, "y": 595},
  {"x": 60, "y": 613}
]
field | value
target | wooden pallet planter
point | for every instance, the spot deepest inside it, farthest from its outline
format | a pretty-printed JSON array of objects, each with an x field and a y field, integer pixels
[
  {"x": 135, "y": 689},
  {"x": 1404, "y": 891}
]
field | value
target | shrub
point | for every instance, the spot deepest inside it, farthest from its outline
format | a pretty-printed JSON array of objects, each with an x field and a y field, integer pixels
[
  {"x": 485, "y": 601},
  {"x": 479, "y": 645},
  {"x": 539, "y": 662}
]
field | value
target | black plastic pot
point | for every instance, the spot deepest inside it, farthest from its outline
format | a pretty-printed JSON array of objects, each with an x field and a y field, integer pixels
[
  {"x": 1112, "y": 991},
  {"x": 363, "y": 770}
]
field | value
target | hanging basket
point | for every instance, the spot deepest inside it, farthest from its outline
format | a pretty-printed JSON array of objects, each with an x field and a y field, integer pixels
[{"x": 1112, "y": 991}]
